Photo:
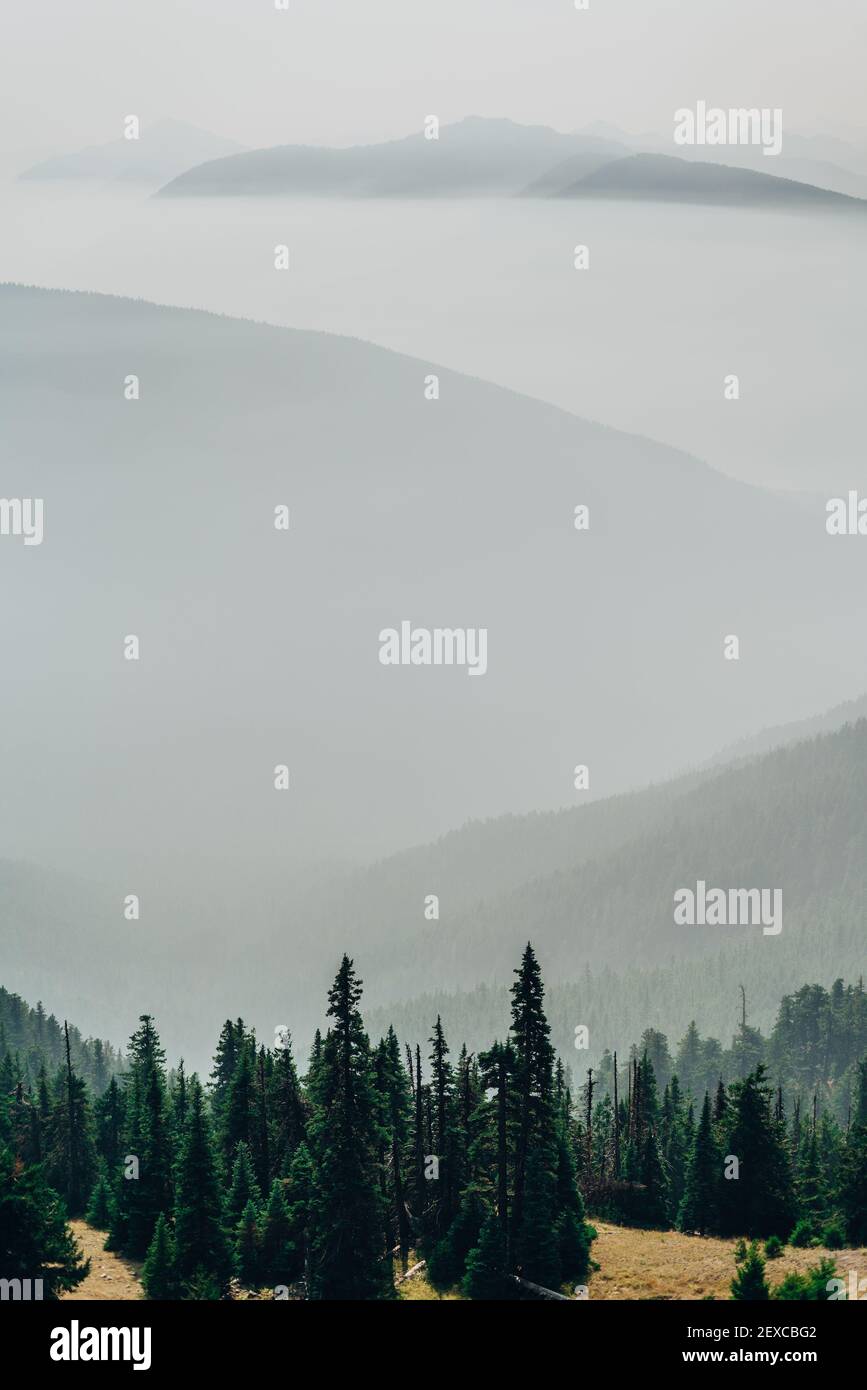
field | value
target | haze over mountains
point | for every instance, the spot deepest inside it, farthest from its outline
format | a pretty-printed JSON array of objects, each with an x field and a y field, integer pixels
[
  {"x": 162, "y": 150},
  {"x": 481, "y": 156},
  {"x": 474, "y": 156},
  {"x": 260, "y": 648}
]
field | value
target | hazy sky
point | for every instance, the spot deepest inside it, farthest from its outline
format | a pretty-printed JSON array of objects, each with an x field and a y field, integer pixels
[{"x": 347, "y": 71}]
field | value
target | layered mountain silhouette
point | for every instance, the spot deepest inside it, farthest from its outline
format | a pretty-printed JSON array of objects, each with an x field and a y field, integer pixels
[
  {"x": 472, "y": 156},
  {"x": 484, "y": 156},
  {"x": 162, "y": 150}
]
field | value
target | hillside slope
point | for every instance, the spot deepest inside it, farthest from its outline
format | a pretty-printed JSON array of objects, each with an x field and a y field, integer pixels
[{"x": 667, "y": 178}]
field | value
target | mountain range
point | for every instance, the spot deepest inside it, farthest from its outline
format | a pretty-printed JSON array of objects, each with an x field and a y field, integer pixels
[
  {"x": 483, "y": 156},
  {"x": 471, "y": 157},
  {"x": 259, "y": 648}
]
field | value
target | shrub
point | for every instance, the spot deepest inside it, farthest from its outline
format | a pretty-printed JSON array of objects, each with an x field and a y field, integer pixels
[
  {"x": 834, "y": 1234},
  {"x": 811, "y": 1287},
  {"x": 804, "y": 1234},
  {"x": 750, "y": 1284}
]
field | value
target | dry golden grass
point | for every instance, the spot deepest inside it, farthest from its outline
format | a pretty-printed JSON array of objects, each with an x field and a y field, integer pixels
[
  {"x": 633, "y": 1264},
  {"x": 417, "y": 1288},
  {"x": 668, "y": 1265}
]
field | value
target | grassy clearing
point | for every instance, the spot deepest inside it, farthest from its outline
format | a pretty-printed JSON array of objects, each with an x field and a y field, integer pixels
[{"x": 671, "y": 1266}]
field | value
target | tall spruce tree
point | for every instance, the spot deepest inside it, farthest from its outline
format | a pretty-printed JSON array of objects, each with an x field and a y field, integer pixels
[
  {"x": 144, "y": 1188},
  {"x": 699, "y": 1207},
  {"x": 200, "y": 1243},
  {"x": 759, "y": 1201},
  {"x": 534, "y": 1076},
  {"x": 244, "y": 1188},
  {"x": 346, "y": 1254},
  {"x": 286, "y": 1105},
  {"x": 443, "y": 1205},
  {"x": 853, "y": 1171},
  {"x": 395, "y": 1096},
  {"x": 159, "y": 1275},
  {"x": 278, "y": 1261},
  {"x": 71, "y": 1150}
]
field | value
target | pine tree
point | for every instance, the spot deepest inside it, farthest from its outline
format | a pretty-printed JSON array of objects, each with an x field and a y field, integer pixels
[
  {"x": 809, "y": 1188},
  {"x": 108, "y": 1117},
  {"x": 676, "y": 1141},
  {"x": 178, "y": 1105},
  {"x": 486, "y": 1276},
  {"x": 225, "y": 1060},
  {"x": 490, "y": 1149},
  {"x": 699, "y": 1208},
  {"x": 448, "y": 1260},
  {"x": 853, "y": 1168},
  {"x": 145, "y": 1187},
  {"x": 244, "y": 1188},
  {"x": 760, "y": 1200},
  {"x": 260, "y": 1142},
  {"x": 689, "y": 1060},
  {"x": 346, "y": 1246},
  {"x": 238, "y": 1121},
  {"x": 288, "y": 1116},
  {"x": 247, "y": 1253},
  {"x": 99, "y": 1207},
  {"x": 534, "y": 1066},
  {"x": 158, "y": 1272},
  {"x": 299, "y": 1202},
  {"x": 574, "y": 1235},
  {"x": 443, "y": 1204},
  {"x": 395, "y": 1098},
  {"x": 655, "y": 1206},
  {"x": 199, "y": 1240},
  {"x": 277, "y": 1253},
  {"x": 35, "y": 1241},
  {"x": 750, "y": 1284},
  {"x": 71, "y": 1161},
  {"x": 538, "y": 1243}
]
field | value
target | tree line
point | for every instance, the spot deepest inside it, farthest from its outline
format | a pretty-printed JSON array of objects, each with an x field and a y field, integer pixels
[{"x": 326, "y": 1186}]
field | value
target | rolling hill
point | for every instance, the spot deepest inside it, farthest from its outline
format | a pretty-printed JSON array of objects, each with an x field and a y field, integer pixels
[{"x": 666, "y": 178}]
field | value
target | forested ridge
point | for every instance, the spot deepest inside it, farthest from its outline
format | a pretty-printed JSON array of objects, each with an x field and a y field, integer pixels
[
  {"x": 483, "y": 1164},
  {"x": 32, "y": 1040}
]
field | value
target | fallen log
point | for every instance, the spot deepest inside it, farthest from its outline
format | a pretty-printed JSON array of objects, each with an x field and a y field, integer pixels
[
  {"x": 410, "y": 1272},
  {"x": 538, "y": 1291}
]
